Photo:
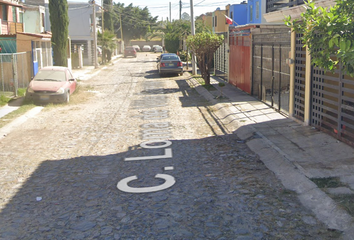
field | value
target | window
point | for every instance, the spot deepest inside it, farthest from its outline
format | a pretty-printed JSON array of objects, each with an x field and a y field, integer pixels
[
  {"x": 251, "y": 13},
  {"x": 14, "y": 15},
  {"x": 232, "y": 15},
  {"x": 216, "y": 21},
  {"x": 43, "y": 19},
  {"x": 4, "y": 12},
  {"x": 257, "y": 10}
]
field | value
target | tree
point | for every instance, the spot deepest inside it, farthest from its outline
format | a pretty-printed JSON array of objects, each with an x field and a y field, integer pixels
[
  {"x": 174, "y": 32},
  {"x": 59, "y": 20},
  {"x": 108, "y": 25},
  {"x": 328, "y": 32},
  {"x": 136, "y": 22},
  {"x": 204, "y": 45},
  {"x": 185, "y": 16},
  {"x": 106, "y": 40}
]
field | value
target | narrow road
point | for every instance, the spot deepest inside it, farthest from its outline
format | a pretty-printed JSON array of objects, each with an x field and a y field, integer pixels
[{"x": 136, "y": 156}]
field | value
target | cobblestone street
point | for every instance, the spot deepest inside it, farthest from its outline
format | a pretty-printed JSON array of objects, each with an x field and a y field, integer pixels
[{"x": 142, "y": 158}]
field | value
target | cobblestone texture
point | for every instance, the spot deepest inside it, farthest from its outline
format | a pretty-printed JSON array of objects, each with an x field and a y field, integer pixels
[{"x": 60, "y": 169}]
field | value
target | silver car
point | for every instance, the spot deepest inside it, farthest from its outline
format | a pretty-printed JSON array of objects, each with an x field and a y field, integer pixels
[{"x": 170, "y": 63}]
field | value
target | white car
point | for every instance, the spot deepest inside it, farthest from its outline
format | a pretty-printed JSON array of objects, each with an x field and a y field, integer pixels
[
  {"x": 136, "y": 47},
  {"x": 146, "y": 48}
]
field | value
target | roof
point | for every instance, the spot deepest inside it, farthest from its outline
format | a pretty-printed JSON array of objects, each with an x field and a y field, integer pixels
[
  {"x": 10, "y": 3},
  {"x": 39, "y": 35}
]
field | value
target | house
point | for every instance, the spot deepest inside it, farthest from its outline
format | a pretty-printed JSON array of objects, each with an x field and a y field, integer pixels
[
  {"x": 11, "y": 16},
  {"x": 318, "y": 98},
  {"x": 238, "y": 13},
  {"x": 256, "y": 9},
  {"x": 219, "y": 21},
  {"x": 81, "y": 27}
]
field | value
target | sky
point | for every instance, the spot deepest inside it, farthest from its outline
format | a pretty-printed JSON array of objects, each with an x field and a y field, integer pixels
[{"x": 161, "y": 7}]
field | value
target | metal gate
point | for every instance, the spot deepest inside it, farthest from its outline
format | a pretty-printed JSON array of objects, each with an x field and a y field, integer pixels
[
  {"x": 240, "y": 63},
  {"x": 221, "y": 59},
  {"x": 300, "y": 68},
  {"x": 332, "y": 103},
  {"x": 271, "y": 74}
]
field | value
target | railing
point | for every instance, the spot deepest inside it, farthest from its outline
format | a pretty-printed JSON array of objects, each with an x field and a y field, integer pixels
[
  {"x": 276, "y": 5},
  {"x": 11, "y": 27}
]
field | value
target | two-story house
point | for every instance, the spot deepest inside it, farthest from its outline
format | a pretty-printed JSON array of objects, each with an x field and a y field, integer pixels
[{"x": 11, "y": 13}]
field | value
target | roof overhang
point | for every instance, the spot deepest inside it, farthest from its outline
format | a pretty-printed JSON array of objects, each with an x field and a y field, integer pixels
[
  {"x": 42, "y": 36},
  {"x": 294, "y": 12},
  {"x": 3, "y": 2}
]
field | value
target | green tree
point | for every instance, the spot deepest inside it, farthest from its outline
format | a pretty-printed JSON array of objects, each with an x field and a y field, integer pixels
[
  {"x": 59, "y": 21},
  {"x": 106, "y": 40},
  {"x": 108, "y": 25},
  {"x": 328, "y": 32},
  {"x": 136, "y": 22},
  {"x": 204, "y": 45},
  {"x": 174, "y": 32}
]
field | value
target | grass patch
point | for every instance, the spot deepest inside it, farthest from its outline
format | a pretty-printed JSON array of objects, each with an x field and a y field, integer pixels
[
  {"x": 15, "y": 114},
  {"x": 4, "y": 100},
  {"x": 345, "y": 201},
  {"x": 202, "y": 82},
  {"x": 330, "y": 182}
]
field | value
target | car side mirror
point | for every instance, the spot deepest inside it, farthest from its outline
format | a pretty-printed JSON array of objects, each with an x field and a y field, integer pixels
[{"x": 72, "y": 80}]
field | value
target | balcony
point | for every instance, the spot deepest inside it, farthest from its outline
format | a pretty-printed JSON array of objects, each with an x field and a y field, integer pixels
[
  {"x": 11, "y": 27},
  {"x": 275, "y": 5}
]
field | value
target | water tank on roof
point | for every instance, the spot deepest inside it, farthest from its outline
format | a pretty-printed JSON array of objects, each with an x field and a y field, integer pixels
[{"x": 218, "y": 8}]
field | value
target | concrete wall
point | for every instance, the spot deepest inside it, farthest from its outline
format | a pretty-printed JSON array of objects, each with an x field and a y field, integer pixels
[{"x": 33, "y": 19}]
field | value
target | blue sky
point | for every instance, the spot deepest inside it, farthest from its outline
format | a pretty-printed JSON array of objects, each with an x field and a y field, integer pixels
[{"x": 161, "y": 7}]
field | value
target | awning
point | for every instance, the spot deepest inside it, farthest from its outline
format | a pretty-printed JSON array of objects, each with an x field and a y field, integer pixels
[{"x": 3, "y": 2}]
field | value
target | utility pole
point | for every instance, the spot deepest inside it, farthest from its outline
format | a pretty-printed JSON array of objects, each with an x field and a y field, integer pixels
[
  {"x": 170, "y": 12},
  {"x": 94, "y": 35},
  {"x": 180, "y": 9},
  {"x": 121, "y": 34},
  {"x": 102, "y": 10},
  {"x": 193, "y": 33}
]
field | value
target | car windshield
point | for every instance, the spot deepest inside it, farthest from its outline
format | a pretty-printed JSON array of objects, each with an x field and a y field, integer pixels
[
  {"x": 50, "y": 75},
  {"x": 170, "y": 57}
]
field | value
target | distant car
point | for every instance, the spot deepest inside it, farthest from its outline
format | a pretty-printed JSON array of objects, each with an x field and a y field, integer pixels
[
  {"x": 129, "y": 51},
  {"x": 136, "y": 47},
  {"x": 51, "y": 84},
  {"x": 146, "y": 48},
  {"x": 154, "y": 46},
  {"x": 170, "y": 63},
  {"x": 158, "y": 49}
]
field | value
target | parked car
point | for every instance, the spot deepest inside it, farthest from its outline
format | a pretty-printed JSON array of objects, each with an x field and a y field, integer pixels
[
  {"x": 146, "y": 48},
  {"x": 170, "y": 63},
  {"x": 154, "y": 46},
  {"x": 129, "y": 51},
  {"x": 51, "y": 84},
  {"x": 136, "y": 47},
  {"x": 158, "y": 49}
]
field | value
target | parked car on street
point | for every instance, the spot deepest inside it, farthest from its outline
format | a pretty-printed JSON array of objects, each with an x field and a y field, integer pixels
[
  {"x": 129, "y": 51},
  {"x": 154, "y": 46},
  {"x": 170, "y": 63},
  {"x": 136, "y": 47},
  {"x": 146, "y": 48},
  {"x": 51, "y": 84},
  {"x": 158, "y": 49}
]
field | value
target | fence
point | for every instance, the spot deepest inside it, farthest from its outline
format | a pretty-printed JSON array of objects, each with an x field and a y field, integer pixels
[{"x": 15, "y": 72}]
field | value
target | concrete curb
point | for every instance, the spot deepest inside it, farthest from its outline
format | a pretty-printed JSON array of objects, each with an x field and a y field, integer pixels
[
  {"x": 18, "y": 121},
  {"x": 290, "y": 174}
]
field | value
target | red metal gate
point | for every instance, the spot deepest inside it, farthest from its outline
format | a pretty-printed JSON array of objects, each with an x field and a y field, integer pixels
[{"x": 240, "y": 60}]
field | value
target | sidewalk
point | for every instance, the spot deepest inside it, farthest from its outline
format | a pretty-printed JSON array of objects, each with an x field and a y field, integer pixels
[
  {"x": 81, "y": 74},
  {"x": 295, "y": 153}
]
